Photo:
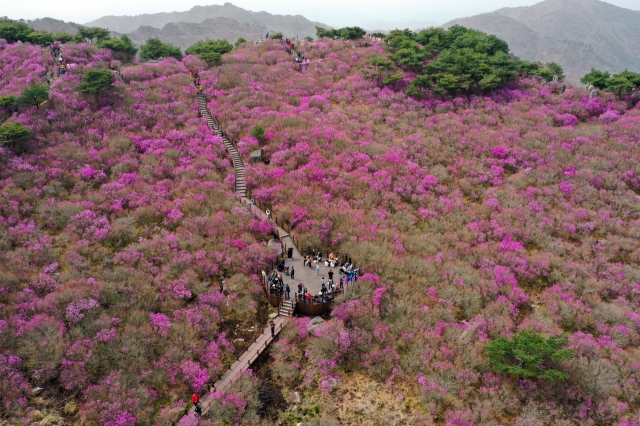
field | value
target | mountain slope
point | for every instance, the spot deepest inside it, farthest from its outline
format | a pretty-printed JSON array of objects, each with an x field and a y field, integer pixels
[
  {"x": 578, "y": 34},
  {"x": 53, "y": 25},
  {"x": 289, "y": 24},
  {"x": 185, "y": 34}
]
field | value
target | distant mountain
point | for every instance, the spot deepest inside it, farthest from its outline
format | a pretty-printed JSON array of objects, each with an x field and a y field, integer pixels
[
  {"x": 185, "y": 34},
  {"x": 53, "y": 25},
  {"x": 412, "y": 25},
  {"x": 577, "y": 34},
  {"x": 204, "y": 17}
]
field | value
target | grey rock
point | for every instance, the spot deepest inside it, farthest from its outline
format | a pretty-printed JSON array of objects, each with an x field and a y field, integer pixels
[
  {"x": 295, "y": 398},
  {"x": 594, "y": 94},
  {"x": 36, "y": 391},
  {"x": 273, "y": 315},
  {"x": 315, "y": 323},
  {"x": 257, "y": 155}
]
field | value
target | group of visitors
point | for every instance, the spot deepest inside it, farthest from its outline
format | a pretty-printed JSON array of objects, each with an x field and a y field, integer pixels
[
  {"x": 276, "y": 283},
  {"x": 55, "y": 49},
  {"x": 289, "y": 43},
  {"x": 313, "y": 258},
  {"x": 332, "y": 287},
  {"x": 196, "y": 80}
]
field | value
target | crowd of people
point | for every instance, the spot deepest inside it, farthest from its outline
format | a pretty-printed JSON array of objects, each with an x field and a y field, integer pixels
[
  {"x": 196, "y": 80},
  {"x": 55, "y": 49}
]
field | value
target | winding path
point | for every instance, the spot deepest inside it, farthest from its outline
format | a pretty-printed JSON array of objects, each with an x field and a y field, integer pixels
[
  {"x": 238, "y": 165},
  {"x": 258, "y": 346},
  {"x": 308, "y": 276}
]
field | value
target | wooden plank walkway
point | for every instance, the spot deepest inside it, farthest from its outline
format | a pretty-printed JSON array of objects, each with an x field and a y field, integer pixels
[
  {"x": 263, "y": 340},
  {"x": 240, "y": 365},
  {"x": 308, "y": 276},
  {"x": 238, "y": 165}
]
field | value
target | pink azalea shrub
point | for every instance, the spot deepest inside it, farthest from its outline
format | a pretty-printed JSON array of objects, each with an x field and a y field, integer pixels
[
  {"x": 116, "y": 231},
  {"x": 471, "y": 218},
  {"x": 475, "y": 218}
]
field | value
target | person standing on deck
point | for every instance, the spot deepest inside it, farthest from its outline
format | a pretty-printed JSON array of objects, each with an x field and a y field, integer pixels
[
  {"x": 293, "y": 271},
  {"x": 318, "y": 268},
  {"x": 273, "y": 329}
]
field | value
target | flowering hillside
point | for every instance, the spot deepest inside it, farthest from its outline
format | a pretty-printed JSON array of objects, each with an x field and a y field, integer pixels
[
  {"x": 473, "y": 220},
  {"x": 117, "y": 230}
]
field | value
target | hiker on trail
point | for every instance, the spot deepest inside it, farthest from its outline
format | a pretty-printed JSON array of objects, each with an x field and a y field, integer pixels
[
  {"x": 293, "y": 271},
  {"x": 198, "y": 410},
  {"x": 195, "y": 399},
  {"x": 317, "y": 268},
  {"x": 268, "y": 212},
  {"x": 287, "y": 289},
  {"x": 299, "y": 288},
  {"x": 273, "y": 329}
]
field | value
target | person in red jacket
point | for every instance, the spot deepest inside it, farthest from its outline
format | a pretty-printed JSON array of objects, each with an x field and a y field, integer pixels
[{"x": 195, "y": 399}]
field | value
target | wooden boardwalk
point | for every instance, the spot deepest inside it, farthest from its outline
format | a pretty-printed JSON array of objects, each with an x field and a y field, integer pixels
[
  {"x": 238, "y": 165},
  {"x": 308, "y": 276},
  {"x": 241, "y": 365}
]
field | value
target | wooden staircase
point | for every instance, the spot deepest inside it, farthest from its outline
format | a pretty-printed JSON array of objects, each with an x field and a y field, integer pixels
[
  {"x": 287, "y": 307},
  {"x": 238, "y": 165}
]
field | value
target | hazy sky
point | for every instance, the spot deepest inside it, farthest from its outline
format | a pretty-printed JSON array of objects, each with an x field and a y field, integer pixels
[{"x": 331, "y": 12}]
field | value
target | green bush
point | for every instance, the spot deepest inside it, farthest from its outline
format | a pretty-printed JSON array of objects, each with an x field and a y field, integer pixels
[
  {"x": 121, "y": 45},
  {"x": 258, "y": 133},
  {"x": 529, "y": 356},
  {"x": 14, "y": 135},
  {"x": 347, "y": 33},
  {"x": 14, "y": 31},
  {"x": 458, "y": 61},
  {"x": 93, "y": 34},
  {"x": 34, "y": 95},
  {"x": 96, "y": 81},
  {"x": 210, "y": 51},
  {"x": 621, "y": 83},
  {"x": 155, "y": 49}
]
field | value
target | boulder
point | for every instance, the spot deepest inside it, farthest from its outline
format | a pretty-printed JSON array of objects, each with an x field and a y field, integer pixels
[
  {"x": 594, "y": 94},
  {"x": 275, "y": 244},
  {"x": 295, "y": 398},
  {"x": 257, "y": 155},
  {"x": 273, "y": 315},
  {"x": 36, "y": 391},
  {"x": 316, "y": 322}
]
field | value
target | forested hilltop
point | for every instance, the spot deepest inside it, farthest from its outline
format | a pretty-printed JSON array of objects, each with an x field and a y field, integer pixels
[{"x": 492, "y": 210}]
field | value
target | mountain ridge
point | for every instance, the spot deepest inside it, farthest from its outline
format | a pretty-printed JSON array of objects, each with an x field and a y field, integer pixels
[
  {"x": 288, "y": 24},
  {"x": 577, "y": 34}
]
